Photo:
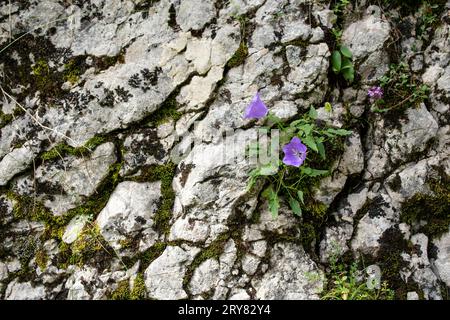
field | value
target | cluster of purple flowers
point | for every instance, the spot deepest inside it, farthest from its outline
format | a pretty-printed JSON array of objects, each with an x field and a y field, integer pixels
[
  {"x": 295, "y": 150},
  {"x": 375, "y": 93}
]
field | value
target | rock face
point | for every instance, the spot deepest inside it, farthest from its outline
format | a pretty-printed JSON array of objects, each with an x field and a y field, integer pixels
[
  {"x": 293, "y": 276},
  {"x": 164, "y": 276},
  {"x": 125, "y": 157},
  {"x": 130, "y": 214}
]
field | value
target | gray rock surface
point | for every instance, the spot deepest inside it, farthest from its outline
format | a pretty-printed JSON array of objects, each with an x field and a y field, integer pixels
[
  {"x": 129, "y": 214},
  {"x": 164, "y": 276},
  {"x": 293, "y": 275}
]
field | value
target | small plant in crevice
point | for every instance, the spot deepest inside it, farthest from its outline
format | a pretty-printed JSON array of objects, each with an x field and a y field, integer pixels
[
  {"x": 427, "y": 19},
  {"x": 399, "y": 87},
  {"x": 340, "y": 7},
  {"x": 341, "y": 63},
  {"x": 291, "y": 176},
  {"x": 348, "y": 282}
]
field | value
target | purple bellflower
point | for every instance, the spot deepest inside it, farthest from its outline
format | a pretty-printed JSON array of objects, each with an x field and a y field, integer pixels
[
  {"x": 375, "y": 93},
  {"x": 256, "y": 109},
  {"x": 294, "y": 152}
]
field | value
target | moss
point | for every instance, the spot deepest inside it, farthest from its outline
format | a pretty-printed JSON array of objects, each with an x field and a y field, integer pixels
[
  {"x": 56, "y": 152},
  {"x": 166, "y": 112},
  {"x": 5, "y": 119},
  {"x": 97, "y": 202},
  {"x": 165, "y": 174},
  {"x": 41, "y": 72},
  {"x": 41, "y": 259},
  {"x": 307, "y": 234},
  {"x": 389, "y": 259},
  {"x": 72, "y": 72},
  {"x": 87, "y": 246},
  {"x": 213, "y": 251},
  {"x": 239, "y": 56},
  {"x": 433, "y": 208},
  {"x": 25, "y": 207},
  {"x": 147, "y": 256},
  {"x": 139, "y": 290},
  {"x": 62, "y": 149},
  {"x": 122, "y": 292}
]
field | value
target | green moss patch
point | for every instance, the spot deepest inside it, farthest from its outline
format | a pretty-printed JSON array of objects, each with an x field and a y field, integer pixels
[
  {"x": 239, "y": 56},
  {"x": 137, "y": 292},
  {"x": 433, "y": 208},
  {"x": 166, "y": 112},
  {"x": 165, "y": 174},
  {"x": 62, "y": 149}
]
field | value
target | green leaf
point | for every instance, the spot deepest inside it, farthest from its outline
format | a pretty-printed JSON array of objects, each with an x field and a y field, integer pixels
[
  {"x": 295, "y": 206},
  {"x": 300, "y": 196},
  {"x": 309, "y": 141},
  {"x": 336, "y": 61},
  {"x": 346, "y": 51},
  {"x": 306, "y": 128},
  {"x": 313, "y": 172},
  {"x": 339, "y": 132},
  {"x": 272, "y": 198},
  {"x": 321, "y": 149},
  {"x": 297, "y": 122},
  {"x": 328, "y": 107},
  {"x": 273, "y": 118},
  {"x": 346, "y": 64},
  {"x": 313, "y": 113},
  {"x": 349, "y": 74},
  {"x": 286, "y": 135},
  {"x": 268, "y": 169}
]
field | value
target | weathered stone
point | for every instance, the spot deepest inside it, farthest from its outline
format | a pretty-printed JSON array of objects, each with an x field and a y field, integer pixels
[
  {"x": 15, "y": 162},
  {"x": 205, "y": 277},
  {"x": 164, "y": 276},
  {"x": 74, "y": 228},
  {"x": 24, "y": 291},
  {"x": 288, "y": 277},
  {"x": 129, "y": 215},
  {"x": 442, "y": 262}
]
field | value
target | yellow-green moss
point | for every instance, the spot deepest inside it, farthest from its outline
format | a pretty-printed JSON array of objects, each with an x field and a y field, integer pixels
[
  {"x": 166, "y": 112},
  {"x": 87, "y": 245},
  {"x": 139, "y": 290},
  {"x": 25, "y": 207},
  {"x": 71, "y": 72},
  {"x": 62, "y": 149},
  {"x": 41, "y": 68},
  {"x": 239, "y": 56},
  {"x": 43, "y": 76},
  {"x": 123, "y": 292},
  {"x": 41, "y": 259}
]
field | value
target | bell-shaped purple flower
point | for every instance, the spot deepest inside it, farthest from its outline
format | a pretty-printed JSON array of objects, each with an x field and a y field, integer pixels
[
  {"x": 256, "y": 109},
  {"x": 294, "y": 152}
]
